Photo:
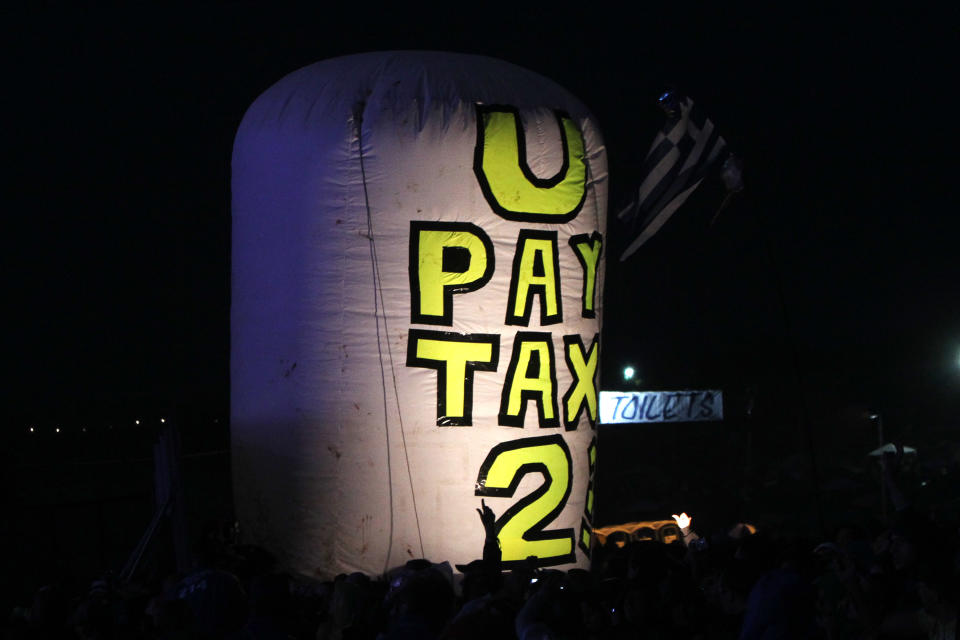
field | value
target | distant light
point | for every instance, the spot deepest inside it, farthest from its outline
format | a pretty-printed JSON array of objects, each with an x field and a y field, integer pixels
[
  {"x": 162, "y": 420},
  {"x": 628, "y": 373},
  {"x": 874, "y": 416},
  {"x": 57, "y": 429},
  {"x": 84, "y": 429},
  {"x": 136, "y": 422},
  {"x": 31, "y": 429}
]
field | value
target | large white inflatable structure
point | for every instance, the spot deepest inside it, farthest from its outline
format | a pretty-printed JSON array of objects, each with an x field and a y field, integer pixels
[{"x": 417, "y": 278}]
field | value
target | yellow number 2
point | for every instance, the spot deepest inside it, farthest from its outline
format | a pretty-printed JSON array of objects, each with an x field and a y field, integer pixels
[{"x": 521, "y": 527}]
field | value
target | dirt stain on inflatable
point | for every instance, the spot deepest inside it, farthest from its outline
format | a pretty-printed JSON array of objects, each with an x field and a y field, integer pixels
[{"x": 363, "y": 533}]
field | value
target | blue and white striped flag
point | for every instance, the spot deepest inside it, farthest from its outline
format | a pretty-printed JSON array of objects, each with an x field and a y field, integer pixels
[{"x": 683, "y": 152}]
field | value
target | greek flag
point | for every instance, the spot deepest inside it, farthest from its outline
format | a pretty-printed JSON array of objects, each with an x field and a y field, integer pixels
[{"x": 683, "y": 152}]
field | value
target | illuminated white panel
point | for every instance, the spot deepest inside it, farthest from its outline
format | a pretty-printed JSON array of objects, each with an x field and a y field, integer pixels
[
  {"x": 624, "y": 407},
  {"x": 417, "y": 257}
]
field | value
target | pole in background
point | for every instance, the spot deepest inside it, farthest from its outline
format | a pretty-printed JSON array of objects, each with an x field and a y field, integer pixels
[{"x": 883, "y": 484}]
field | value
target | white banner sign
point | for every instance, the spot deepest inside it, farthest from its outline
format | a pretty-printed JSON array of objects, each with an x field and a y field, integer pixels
[{"x": 620, "y": 407}]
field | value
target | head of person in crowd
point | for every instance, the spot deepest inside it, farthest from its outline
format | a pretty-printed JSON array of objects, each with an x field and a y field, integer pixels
[{"x": 420, "y": 600}]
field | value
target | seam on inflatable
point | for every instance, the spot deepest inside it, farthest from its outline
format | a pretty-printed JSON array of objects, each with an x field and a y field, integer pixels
[
  {"x": 592, "y": 186},
  {"x": 378, "y": 307},
  {"x": 358, "y": 110}
]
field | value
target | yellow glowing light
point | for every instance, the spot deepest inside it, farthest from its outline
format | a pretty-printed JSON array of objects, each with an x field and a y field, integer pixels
[{"x": 665, "y": 531}]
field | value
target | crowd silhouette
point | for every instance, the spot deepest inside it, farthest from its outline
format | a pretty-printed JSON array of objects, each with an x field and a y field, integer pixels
[{"x": 898, "y": 579}]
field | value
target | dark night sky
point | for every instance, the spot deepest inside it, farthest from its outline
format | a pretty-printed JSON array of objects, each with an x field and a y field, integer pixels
[{"x": 121, "y": 125}]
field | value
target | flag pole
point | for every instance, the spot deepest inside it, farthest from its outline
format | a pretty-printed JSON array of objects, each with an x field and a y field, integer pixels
[{"x": 785, "y": 319}]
